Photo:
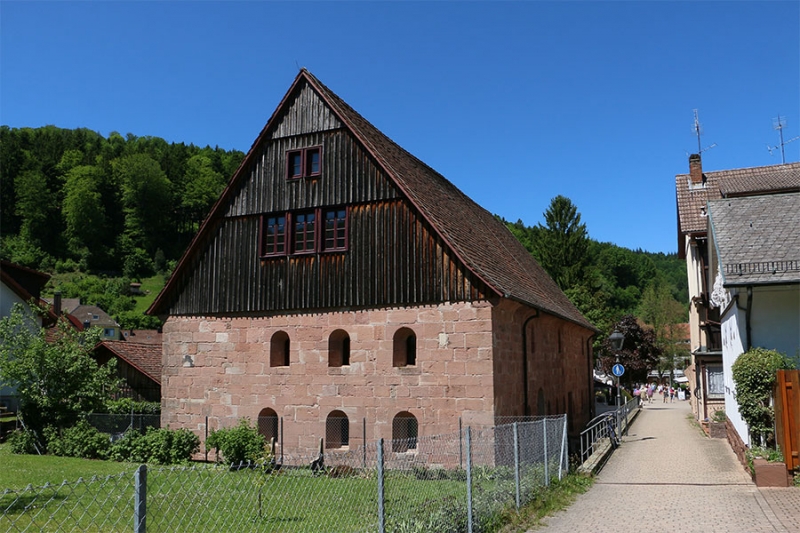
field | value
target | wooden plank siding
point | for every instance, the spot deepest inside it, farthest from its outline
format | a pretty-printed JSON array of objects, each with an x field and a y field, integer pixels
[{"x": 393, "y": 257}]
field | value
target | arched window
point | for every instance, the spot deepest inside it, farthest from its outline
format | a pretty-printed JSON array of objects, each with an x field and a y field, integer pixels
[
  {"x": 268, "y": 424},
  {"x": 405, "y": 347},
  {"x": 339, "y": 348},
  {"x": 279, "y": 349},
  {"x": 404, "y": 432},
  {"x": 337, "y": 430}
]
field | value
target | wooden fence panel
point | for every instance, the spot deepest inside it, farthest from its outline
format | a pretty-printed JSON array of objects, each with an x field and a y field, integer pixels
[{"x": 787, "y": 416}]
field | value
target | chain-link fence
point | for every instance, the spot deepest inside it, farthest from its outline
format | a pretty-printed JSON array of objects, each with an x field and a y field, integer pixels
[
  {"x": 452, "y": 483},
  {"x": 119, "y": 424}
]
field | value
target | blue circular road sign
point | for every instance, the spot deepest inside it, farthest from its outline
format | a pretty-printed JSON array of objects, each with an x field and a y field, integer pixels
[{"x": 618, "y": 370}]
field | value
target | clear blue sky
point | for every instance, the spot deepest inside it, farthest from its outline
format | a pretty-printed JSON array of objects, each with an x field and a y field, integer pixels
[{"x": 514, "y": 102}]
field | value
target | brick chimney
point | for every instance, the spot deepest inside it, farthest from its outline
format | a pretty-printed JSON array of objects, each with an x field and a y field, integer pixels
[{"x": 696, "y": 170}]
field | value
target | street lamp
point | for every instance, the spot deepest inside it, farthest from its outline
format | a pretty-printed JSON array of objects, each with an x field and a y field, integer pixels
[{"x": 616, "y": 340}]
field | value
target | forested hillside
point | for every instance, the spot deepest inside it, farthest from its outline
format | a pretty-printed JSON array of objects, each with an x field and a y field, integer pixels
[
  {"x": 603, "y": 280},
  {"x": 75, "y": 200}
]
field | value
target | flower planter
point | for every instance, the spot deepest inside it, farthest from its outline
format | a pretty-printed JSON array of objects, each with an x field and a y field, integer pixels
[
  {"x": 717, "y": 430},
  {"x": 770, "y": 474}
]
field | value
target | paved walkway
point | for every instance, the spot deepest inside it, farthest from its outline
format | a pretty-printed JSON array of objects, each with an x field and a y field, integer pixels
[{"x": 668, "y": 476}]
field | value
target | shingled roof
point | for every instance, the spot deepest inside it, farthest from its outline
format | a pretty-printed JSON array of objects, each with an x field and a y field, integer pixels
[
  {"x": 146, "y": 358},
  {"x": 479, "y": 240},
  {"x": 692, "y": 198},
  {"x": 757, "y": 238}
]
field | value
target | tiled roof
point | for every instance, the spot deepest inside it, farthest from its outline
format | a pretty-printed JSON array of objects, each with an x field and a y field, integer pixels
[
  {"x": 86, "y": 313},
  {"x": 143, "y": 336},
  {"x": 757, "y": 238},
  {"x": 482, "y": 242},
  {"x": 144, "y": 357},
  {"x": 692, "y": 199},
  {"x": 68, "y": 305}
]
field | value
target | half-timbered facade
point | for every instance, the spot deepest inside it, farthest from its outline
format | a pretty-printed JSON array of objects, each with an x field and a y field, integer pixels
[{"x": 339, "y": 278}]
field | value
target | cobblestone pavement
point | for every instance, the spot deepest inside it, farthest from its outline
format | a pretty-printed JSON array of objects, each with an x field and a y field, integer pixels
[{"x": 668, "y": 476}]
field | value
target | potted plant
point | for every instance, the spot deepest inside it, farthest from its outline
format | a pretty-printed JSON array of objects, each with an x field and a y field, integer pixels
[{"x": 767, "y": 467}]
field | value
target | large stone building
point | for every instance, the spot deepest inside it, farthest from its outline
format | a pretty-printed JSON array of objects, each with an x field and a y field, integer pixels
[{"x": 340, "y": 281}]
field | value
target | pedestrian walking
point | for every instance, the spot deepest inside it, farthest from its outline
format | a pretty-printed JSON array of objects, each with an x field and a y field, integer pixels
[
  {"x": 650, "y": 391},
  {"x": 671, "y": 394}
]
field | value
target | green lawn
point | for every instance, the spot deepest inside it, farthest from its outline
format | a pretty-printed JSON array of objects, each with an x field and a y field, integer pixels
[
  {"x": 151, "y": 287},
  {"x": 19, "y": 471},
  {"x": 211, "y": 498}
]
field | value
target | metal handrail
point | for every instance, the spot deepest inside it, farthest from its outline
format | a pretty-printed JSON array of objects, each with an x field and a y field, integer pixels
[{"x": 604, "y": 426}]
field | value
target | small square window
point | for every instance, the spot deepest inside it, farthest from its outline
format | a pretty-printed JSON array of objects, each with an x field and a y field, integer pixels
[
  {"x": 305, "y": 163},
  {"x": 108, "y": 332}
]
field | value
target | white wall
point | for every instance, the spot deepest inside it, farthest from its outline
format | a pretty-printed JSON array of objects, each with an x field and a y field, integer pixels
[
  {"x": 775, "y": 319},
  {"x": 774, "y": 325},
  {"x": 733, "y": 331},
  {"x": 8, "y": 299}
]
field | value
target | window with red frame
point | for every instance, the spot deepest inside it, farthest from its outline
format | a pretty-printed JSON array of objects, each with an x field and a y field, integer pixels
[
  {"x": 274, "y": 231},
  {"x": 304, "y": 163},
  {"x": 335, "y": 229},
  {"x": 304, "y": 230}
]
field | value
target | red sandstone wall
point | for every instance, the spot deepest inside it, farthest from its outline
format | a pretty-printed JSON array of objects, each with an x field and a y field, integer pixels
[
  {"x": 558, "y": 370},
  {"x": 231, "y": 375}
]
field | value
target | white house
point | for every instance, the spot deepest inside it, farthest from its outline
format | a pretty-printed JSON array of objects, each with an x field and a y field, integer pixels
[{"x": 754, "y": 256}]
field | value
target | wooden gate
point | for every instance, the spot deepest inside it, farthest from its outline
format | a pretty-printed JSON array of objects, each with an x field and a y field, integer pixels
[{"x": 787, "y": 416}]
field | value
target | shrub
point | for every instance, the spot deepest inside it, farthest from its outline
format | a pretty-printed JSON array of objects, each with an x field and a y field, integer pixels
[
  {"x": 131, "y": 447},
  {"x": 21, "y": 441},
  {"x": 125, "y": 406},
  {"x": 161, "y": 446},
  {"x": 81, "y": 440},
  {"x": 754, "y": 375},
  {"x": 238, "y": 444}
]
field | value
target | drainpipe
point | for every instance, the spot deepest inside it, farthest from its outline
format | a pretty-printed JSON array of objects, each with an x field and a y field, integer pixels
[
  {"x": 747, "y": 314},
  {"x": 526, "y": 408},
  {"x": 592, "y": 400}
]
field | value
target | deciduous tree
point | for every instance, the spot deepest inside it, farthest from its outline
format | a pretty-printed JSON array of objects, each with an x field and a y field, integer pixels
[
  {"x": 57, "y": 381},
  {"x": 639, "y": 354}
]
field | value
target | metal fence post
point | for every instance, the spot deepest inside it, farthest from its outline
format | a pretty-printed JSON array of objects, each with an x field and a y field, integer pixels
[
  {"x": 516, "y": 462},
  {"x": 140, "y": 500},
  {"x": 562, "y": 455},
  {"x": 205, "y": 439},
  {"x": 546, "y": 457},
  {"x": 281, "y": 440},
  {"x": 364, "y": 443},
  {"x": 460, "y": 445},
  {"x": 469, "y": 480},
  {"x": 381, "y": 510}
]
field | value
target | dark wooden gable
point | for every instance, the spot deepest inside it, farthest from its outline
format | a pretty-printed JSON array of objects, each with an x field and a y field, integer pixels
[{"x": 393, "y": 257}]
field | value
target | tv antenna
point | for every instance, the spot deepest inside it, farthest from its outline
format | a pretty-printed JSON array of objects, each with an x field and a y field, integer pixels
[
  {"x": 778, "y": 123},
  {"x": 698, "y": 129}
]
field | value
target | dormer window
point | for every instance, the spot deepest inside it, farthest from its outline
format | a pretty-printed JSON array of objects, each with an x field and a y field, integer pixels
[{"x": 304, "y": 163}]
